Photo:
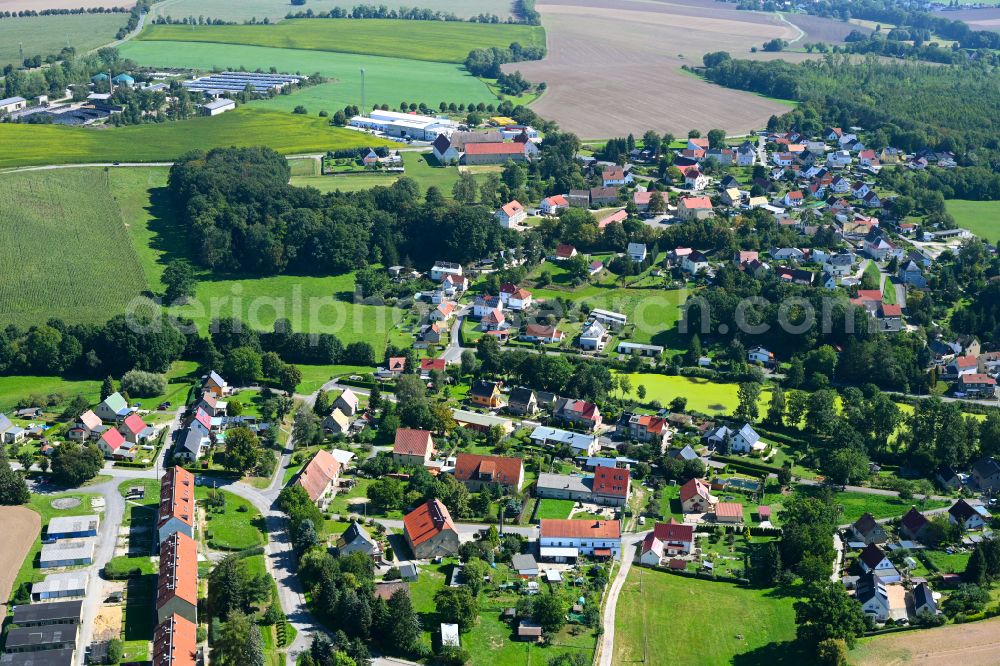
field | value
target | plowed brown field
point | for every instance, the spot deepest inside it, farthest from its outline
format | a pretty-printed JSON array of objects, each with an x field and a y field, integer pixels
[
  {"x": 614, "y": 66},
  {"x": 21, "y": 527},
  {"x": 973, "y": 644}
]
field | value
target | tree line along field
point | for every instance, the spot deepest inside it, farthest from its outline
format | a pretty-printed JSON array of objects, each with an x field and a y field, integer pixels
[
  {"x": 244, "y": 10},
  {"x": 387, "y": 80},
  {"x": 439, "y": 41},
  {"x": 980, "y": 217},
  {"x": 44, "y": 35},
  {"x": 64, "y": 248},
  {"x": 26, "y": 145}
]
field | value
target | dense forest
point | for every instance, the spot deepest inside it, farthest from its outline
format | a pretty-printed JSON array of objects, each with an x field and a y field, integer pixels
[{"x": 244, "y": 216}]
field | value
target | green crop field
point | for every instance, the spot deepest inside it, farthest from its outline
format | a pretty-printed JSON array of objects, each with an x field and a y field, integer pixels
[
  {"x": 245, "y": 10},
  {"x": 44, "y": 35},
  {"x": 26, "y": 145},
  {"x": 387, "y": 80},
  {"x": 746, "y": 626},
  {"x": 65, "y": 249},
  {"x": 980, "y": 217},
  {"x": 437, "y": 41}
]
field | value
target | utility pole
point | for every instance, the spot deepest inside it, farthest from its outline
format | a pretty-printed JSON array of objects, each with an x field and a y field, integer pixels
[{"x": 363, "y": 106}]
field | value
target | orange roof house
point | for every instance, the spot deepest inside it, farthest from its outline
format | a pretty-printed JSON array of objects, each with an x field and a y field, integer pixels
[
  {"x": 476, "y": 471},
  {"x": 430, "y": 531},
  {"x": 319, "y": 477},
  {"x": 412, "y": 447},
  {"x": 695, "y": 497}
]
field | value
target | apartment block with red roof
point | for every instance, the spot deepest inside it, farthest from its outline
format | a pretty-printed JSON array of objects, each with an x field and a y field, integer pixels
[
  {"x": 476, "y": 471},
  {"x": 176, "y": 511},
  {"x": 175, "y": 642},
  {"x": 177, "y": 584},
  {"x": 430, "y": 531}
]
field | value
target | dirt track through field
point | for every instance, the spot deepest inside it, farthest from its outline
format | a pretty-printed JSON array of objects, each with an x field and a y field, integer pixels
[
  {"x": 973, "y": 644},
  {"x": 614, "y": 66},
  {"x": 21, "y": 527}
]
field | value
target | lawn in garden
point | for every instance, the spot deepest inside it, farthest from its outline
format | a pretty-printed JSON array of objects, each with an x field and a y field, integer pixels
[
  {"x": 856, "y": 504},
  {"x": 237, "y": 527},
  {"x": 554, "y": 508}
]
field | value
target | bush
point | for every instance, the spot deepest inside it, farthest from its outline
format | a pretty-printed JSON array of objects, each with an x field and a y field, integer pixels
[
  {"x": 120, "y": 568},
  {"x": 116, "y": 650},
  {"x": 142, "y": 384}
]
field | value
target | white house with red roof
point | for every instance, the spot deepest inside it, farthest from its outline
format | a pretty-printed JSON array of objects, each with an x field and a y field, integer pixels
[
  {"x": 519, "y": 300},
  {"x": 695, "y": 497},
  {"x": 615, "y": 176},
  {"x": 87, "y": 426},
  {"x": 453, "y": 285},
  {"x": 962, "y": 365},
  {"x": 135, "y": 430},
  {"x": 201, "y": 422},
  {"x": 442, "y": 312},
  {"x": 666, "y": 539},
  {"x": 511, "y": 214},
  {"x": 793, "y": 198},
  {"x": 694, "y": 208},
  {"x": 113, "y": 445},
  {"x": 694, "y": 179},
  {"x": 567, "y": 540},
  {"x": 552, "y": 205},
  {"x": 494, "y": 320},
  {"x": 697, "y": 144}
]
